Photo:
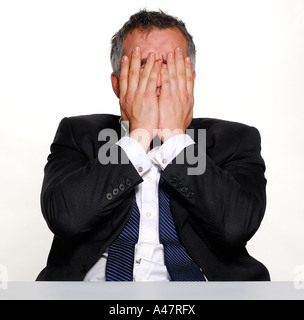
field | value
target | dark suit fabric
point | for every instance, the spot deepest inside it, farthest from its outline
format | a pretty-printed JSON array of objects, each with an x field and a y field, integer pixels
[{"x": 225, "y": 210}]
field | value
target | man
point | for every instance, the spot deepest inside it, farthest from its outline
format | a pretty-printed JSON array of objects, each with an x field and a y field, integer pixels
[{"x": 148, "y": 219}]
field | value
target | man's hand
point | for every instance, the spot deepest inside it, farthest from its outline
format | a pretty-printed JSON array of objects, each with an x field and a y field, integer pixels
[
  {"x": 177, "y": 95},
  {"x": 138, "y": 98}
]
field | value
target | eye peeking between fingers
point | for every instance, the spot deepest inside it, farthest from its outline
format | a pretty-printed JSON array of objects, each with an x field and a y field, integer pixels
[{"x": 144, "y": 61}]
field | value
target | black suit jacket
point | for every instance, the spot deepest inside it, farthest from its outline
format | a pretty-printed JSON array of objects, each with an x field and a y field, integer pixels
[{"x": 224, "y": 210}]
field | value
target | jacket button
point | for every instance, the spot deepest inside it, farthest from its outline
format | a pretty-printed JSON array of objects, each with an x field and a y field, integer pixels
[
  {"x": 184, "y": 189},
  {"x": 122, "y": 187},
  {"x": 109, "y": 196},
  {"x": 190, "y": 195},
  {"x": 172, "y": 179},
  {"x": 115, "y": 192},
  {"x": 178, "y": 184},
  {"x": 128, "y": 182}
]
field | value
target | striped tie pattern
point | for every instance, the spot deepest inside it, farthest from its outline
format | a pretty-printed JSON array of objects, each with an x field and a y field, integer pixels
[
  {"x": 120, "y": 260},
  {"x": 179, "y": 264}
]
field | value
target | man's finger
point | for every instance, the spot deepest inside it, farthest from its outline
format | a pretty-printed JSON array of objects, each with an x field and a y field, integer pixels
[
  {"x": 152, "y": 81},
  {"x": 189, "y": 76},
  {"x": 166, "y": 83},
  {"x": 172, "y": 72},
  {"x": 124, "y": 75},
  {"x": 180, "y": 69},
  {"x": 134, "y": 71},
  {"x": 145, "y": 75}
]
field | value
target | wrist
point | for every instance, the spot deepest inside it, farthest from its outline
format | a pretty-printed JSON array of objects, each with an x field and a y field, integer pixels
[
  {"x": 166, "y": 134},
  {"x": 143, "y": 137}
]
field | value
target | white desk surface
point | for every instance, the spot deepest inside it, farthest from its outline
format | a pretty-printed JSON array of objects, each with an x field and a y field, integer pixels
[{"x": 151, "y": 291}]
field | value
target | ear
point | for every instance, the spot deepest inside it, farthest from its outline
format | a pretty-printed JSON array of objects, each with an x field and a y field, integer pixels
[
  {"x": 115, "y": 84},
  {"x": 194, "y": 76}
]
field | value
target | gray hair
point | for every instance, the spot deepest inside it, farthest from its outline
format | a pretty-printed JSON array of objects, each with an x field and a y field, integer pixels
[{"x": 147, "y": 21}]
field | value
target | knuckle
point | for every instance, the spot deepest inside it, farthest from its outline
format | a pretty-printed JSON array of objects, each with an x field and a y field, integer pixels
[
  {"x": 133, "y": 73},
  {"x": 129, "y": 98},
  {"x": 144, "y": 76},
  {"x": 167, "y": 82},
  {"x": 148, "y": 96},
  {"x": 190, "y": 78},
  {"x": 173, "y": 77},
  {"x": 137, "y": 98},
  {"x": 185, "y": 97},
  {"x": 123, "y": 78},
  {"x": 152, "y": 78},
  {"x": 181, "y": 74}
]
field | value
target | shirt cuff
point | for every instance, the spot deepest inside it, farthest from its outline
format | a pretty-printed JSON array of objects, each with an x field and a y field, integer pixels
[
  {"x": 171, "y": 148},
  {"x": 136, "y": 154}
]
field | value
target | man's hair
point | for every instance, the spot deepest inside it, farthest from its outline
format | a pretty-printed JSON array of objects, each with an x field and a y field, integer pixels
[{"x": 147, "y": 21}]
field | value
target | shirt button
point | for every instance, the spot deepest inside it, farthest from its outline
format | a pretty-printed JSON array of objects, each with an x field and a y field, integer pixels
[
  {"x": 149, "y": 179},
  {"x": 140, "y": 169},
  {"x": 165, "y": 161},
  {"x": 148, "y": 214},
  {"x": 140, "y": 280}
]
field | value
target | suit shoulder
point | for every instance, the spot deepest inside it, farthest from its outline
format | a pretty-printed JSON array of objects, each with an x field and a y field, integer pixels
[
  {"x": 218, "y": 124},
  {"x": 82, "y": 132},
  {"x": 94, "y": 119},
  {"x": 91, "y": 124},
  {"x": 227, "y": 135},
  {"x": 224, "y": 128}
]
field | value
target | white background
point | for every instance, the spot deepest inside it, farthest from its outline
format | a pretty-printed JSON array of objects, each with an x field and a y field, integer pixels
[{"x": 54, "y": 62}]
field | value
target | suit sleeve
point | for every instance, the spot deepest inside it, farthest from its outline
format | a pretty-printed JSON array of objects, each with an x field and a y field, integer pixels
[
  {"x": 226, "y": 204},
  {"x": 79, "y": 192}
]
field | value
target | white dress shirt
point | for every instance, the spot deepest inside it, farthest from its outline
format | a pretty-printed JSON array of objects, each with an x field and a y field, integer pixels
[{"x": 149, "y": 264}]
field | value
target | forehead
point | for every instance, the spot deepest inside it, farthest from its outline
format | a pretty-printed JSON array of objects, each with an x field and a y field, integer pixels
[{"x": 157, "y": 40}]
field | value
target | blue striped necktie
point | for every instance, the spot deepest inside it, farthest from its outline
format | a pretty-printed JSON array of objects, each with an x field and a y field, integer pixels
[
  {"x": 179, "y": 264},
  {"x": 120, "y": 262}
]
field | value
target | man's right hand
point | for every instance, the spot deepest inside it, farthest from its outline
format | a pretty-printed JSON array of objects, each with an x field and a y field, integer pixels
[{"x": 138, "y": 97}]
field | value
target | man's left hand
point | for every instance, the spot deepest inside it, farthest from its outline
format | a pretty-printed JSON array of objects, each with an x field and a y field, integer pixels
[{"x": 177, "y": 95}]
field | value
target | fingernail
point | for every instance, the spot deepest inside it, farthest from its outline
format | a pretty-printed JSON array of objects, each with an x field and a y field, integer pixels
[
  {"x": 151, "y": 55},
  {"x": 136, "y": 50},
  {"x": 188, "y": 60},
  {"x": 179, "y": 50},
  {"x": 124, "y": 59},
  {"x": 171, "y": 55}
]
